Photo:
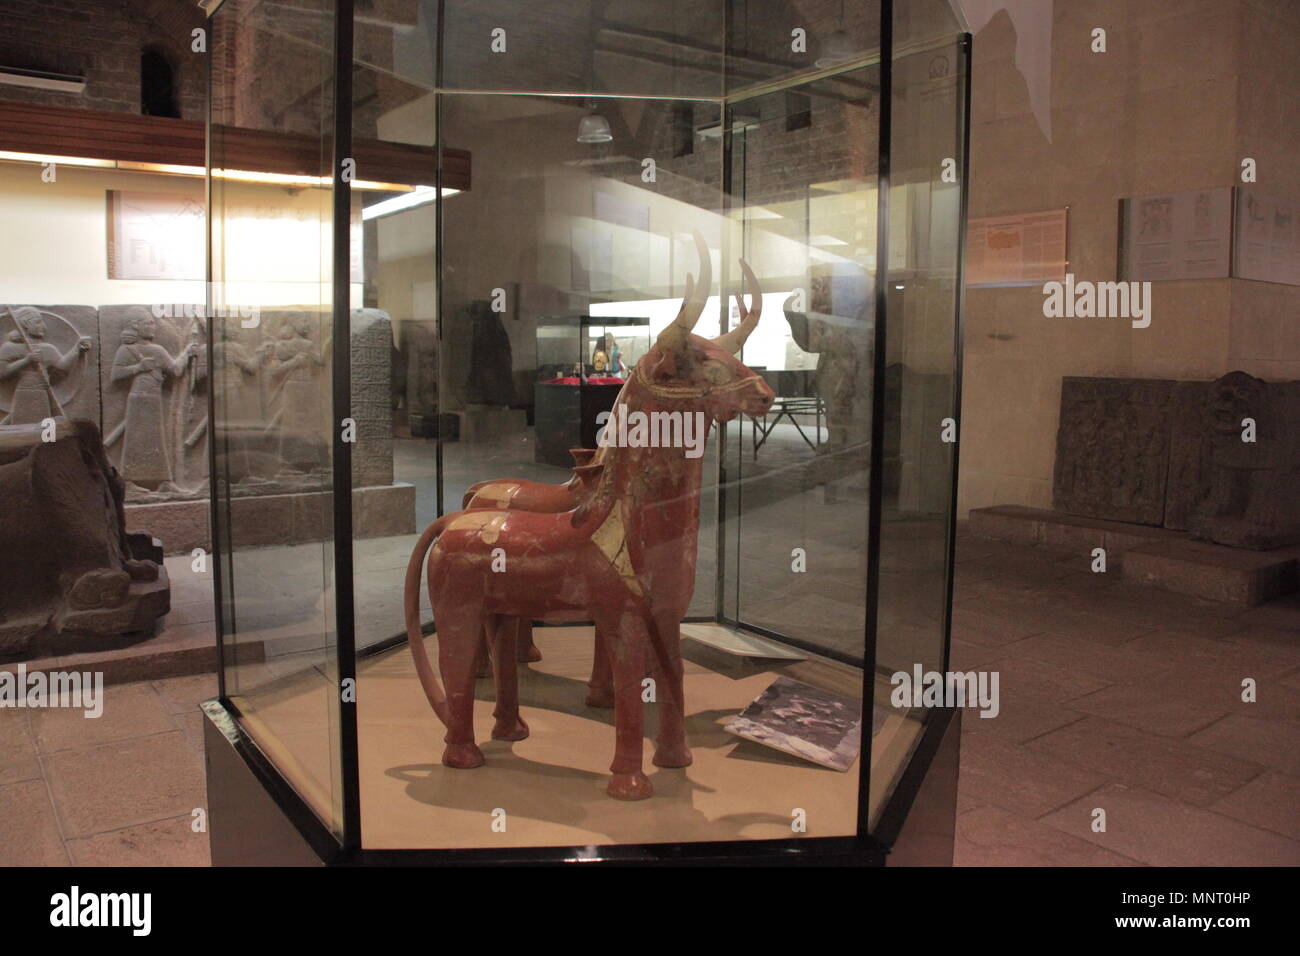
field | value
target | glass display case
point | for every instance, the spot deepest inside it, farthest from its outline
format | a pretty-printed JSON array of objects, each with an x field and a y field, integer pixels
[
  {"x": 582, "y": 364},
  {"x": 511, "y": 637}
]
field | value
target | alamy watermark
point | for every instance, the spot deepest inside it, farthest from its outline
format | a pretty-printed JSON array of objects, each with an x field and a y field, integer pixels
[
  {"x": 1098, "y": 300},
  {"x": 75, "y": 908},
  {"x": 634, "y": 429},
  {"x": 948, "y": 689},
  {"x": 74, "y": 690},
  {"x": 249, "y": 316}
]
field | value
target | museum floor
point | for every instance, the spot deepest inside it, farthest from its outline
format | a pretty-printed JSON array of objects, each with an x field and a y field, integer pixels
[{"x": 1113, "y": 696}]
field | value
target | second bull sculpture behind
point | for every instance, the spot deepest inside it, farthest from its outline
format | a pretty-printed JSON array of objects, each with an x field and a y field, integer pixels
[{"x": 622, "y": 557}]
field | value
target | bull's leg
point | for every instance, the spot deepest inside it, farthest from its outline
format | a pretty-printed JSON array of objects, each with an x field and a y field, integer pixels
[
  {"x": 528, "y": 651},
  {"x": 482, "y": 657},
  {"x": 459, "y": 636},
  {"x": 505, "y": 670},
  {"x": 600, "y": 689},
  {"x": 670, "y": 701},
  {"x": 628, "y": 639}
]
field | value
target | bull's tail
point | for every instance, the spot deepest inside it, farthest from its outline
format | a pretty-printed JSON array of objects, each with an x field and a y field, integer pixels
[{"x": 414, "y": 568}]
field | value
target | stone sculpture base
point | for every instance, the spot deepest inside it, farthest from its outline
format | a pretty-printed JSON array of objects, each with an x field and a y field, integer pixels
[
  {"x": 72, "y": 631},
  {"x": 266, "y": 520},
  {"x": 1157, "y": 557}
]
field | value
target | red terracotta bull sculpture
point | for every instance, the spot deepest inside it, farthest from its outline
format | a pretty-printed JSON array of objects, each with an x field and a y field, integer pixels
[{"x": 621, "y": 553}]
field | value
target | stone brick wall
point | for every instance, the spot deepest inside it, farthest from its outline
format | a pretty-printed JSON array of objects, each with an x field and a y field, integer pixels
[{"x": 102, "y": 40}]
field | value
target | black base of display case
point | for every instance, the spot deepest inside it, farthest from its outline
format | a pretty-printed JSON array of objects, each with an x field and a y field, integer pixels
[{"x": 256, "y": 819}]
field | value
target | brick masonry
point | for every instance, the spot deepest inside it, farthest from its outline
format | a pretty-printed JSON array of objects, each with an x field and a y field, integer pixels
[{"x": 102, "y": 41}]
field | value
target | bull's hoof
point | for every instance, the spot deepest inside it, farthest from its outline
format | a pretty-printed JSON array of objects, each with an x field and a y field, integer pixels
[
  {"x": 677, "y": 755},
  {"x": 529, "y": 654},
  {"x": 630, "y": 786},
  {"x": 600, "y": 696},
  {"x": 514, "y": 729},
  {"x": 462, "y": 756}
]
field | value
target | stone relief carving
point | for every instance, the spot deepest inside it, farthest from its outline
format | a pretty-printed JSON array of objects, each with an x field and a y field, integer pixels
[
  {"x": 1172, "y": 454},
  {"x": 1112, "y": 449},
  {"x": 155, "y": 402},
  {"x": 1224, "y": 489},
  {"x": 47, "y": 364}
]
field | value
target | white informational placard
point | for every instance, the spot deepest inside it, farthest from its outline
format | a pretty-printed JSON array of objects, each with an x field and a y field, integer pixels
[
  {"x": 1267, "y": 247},
  {"x": 1021, "y": 249},
  {"x": 156, "y": 236},
  {"x": 1185, "y": 235}
]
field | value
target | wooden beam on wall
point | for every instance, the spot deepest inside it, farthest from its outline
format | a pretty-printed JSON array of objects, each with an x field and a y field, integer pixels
[{"x": 127, "y": 137}]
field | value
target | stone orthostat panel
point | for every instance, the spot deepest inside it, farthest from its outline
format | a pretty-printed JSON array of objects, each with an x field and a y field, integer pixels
[
  {"x": 56, "y": 336},
  {"x": 1220, "y": 459}
]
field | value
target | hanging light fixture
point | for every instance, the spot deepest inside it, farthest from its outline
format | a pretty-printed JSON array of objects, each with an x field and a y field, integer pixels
[
  {"x": 837, "y": 47},
  {"x": 594, "y": 128}
]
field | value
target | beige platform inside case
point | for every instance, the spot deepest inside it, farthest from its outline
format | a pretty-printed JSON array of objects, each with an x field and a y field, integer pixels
[{"x": 551, "y": 786}]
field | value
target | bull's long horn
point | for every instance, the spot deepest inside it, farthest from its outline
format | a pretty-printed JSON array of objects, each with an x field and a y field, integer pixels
[
  {"x": 734, "y": 339},
  {"x": 697, "y": 295}
]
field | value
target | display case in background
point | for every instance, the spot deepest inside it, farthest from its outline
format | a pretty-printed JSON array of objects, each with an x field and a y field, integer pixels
[
  {"x": 582, "y": 364},
  {"x": 525, "y": 183}
]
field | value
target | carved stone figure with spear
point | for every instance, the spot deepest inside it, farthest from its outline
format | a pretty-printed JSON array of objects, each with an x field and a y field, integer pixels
[{"x": 29, "y": 357}]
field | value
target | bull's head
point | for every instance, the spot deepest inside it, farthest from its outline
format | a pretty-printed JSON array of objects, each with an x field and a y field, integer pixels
[{"x": 688, "y": 371}]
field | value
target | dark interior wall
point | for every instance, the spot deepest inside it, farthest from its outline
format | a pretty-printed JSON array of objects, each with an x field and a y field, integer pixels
[{"x": 102, "y": 40}]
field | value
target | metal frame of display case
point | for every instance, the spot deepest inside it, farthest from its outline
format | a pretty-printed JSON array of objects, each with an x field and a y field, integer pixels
[{"x": 244, "y": 783}]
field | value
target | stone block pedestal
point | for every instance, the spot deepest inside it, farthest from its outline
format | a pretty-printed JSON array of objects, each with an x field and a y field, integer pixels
[
  {"x": 266, "y": 520},
  {"x": 1157, "y": 557}
]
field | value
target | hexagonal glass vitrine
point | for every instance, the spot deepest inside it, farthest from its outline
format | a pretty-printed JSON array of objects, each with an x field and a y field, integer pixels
[{"x": 439, "y": 643}]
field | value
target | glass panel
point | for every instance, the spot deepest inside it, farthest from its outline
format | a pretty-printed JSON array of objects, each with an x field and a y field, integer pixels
[
  {"x": 921, "y": 353},
  {"x": 776, "y": 42},
  {"x": 803, "y": 192},
  {"x": 640, "y": 48},
  {"x": 271, "y": 225}
]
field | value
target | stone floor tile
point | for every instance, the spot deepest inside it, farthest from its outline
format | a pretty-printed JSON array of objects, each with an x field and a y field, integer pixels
[
  {"x": 1269, "y": 741},
  {"x": 190, "y": 724},
  {"x": 1284, "y": 614},
  {"x": 1154, "y": 829},
  {"x": 1007, "y": 775},
  {"x": 1172, "y": 768},
  {"x": 1021, "y": 717},
  {"x": 989, "y": 836},
  {"x": 129, "y": 710},
  {"x": 1261, "y": 636},
  {"x": 164, "y": 843},
  {"x": 184, "y": 694},
  {"x": 1119, "y": 664},
  {"x": 29, "y": 833},
  {"x": 17, "y": 748},
  {"x": 1027, "y": 677},
  {"x": 976, "y": 626},
  {"x": 1271, "y": 801},
  {"x": 1160, "y": 707},
  {"x": 1217, "y": 656},
  {"x": 125, "y": 783},
  {"x": 965, "y": 656}
]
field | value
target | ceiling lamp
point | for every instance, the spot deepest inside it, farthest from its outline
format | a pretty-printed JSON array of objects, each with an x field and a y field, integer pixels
[
  {"x": 837, "y": 47},
  {"x": 594, "y": 128}
]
